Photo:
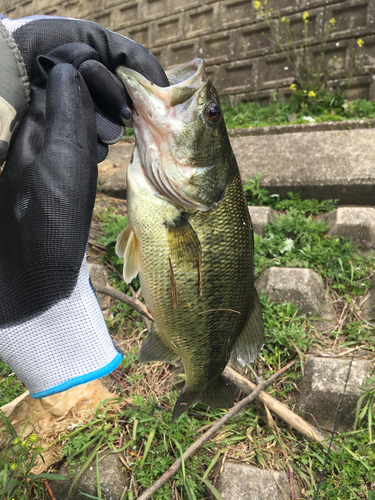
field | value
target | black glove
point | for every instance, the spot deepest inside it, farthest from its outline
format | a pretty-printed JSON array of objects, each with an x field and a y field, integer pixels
[
  {"x": 52, "y": 331},
  {"x": 43, "y": 41}
]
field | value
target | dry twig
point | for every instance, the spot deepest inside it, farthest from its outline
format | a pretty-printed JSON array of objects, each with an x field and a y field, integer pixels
[
  {"x": 116, "y": 294},
  {"x": 211, "y": 431},
  {"x": 273, "y": 404}
]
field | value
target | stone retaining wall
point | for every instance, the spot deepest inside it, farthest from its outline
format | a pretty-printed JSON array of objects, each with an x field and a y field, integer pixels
[{"x": 228, "y": 35}]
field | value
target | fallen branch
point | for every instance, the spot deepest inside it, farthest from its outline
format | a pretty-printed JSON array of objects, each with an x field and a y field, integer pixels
[
  {"x": 211, "y": 431},
  {"x": 278, "y": 408},
  {"x": 116, "y": 294}
]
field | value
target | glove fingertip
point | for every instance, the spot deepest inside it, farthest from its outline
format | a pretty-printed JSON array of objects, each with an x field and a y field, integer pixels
[{"x": 102, "y": 152}]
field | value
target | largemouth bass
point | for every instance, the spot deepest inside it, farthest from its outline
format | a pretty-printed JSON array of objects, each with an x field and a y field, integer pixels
[{"x": 189, "y": 234}]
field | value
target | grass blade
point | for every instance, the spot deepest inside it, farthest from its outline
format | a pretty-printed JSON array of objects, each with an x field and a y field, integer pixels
[
  {"x": 147, "y": 448},
  {"x": 212, "y": 488},
  {"x": 213, "y": 462},
  {"x": 86, "y": 464}
]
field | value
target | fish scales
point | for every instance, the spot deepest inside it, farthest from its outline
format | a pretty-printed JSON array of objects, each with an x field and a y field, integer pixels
[{"x": 195, "y": 264}]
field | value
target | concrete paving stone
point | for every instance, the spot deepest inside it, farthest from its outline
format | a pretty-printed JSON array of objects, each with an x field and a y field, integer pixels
[
  {"x": 99, "y": 275},
  {"x": 316, "y": 164},
  {"x": 246, "y": 482},
  {"x": 323, "y": 165},
  {"x": 112, "y": 171},
  {"x": 112, "y": 480},
  {"x": 302, "y": 287},
  {"x": 322, "y": 386},
  {"x": 353, "y": 223},
  {"x": 260, "y": 217}
]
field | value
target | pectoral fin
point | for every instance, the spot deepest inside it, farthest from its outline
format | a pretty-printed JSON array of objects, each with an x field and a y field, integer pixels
[
  {"x": 126, "y": 248},
  {"x": 183, "y": 241},
  {"x": 154, "y": 349},
  {"x": 250, "y": 340}
]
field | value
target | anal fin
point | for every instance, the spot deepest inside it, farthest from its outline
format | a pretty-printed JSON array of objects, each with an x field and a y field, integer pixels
[
  {"x": 126, "y": 247},
  {"x": 250, "y": 340},
  {"x": 154, "y": 349}
]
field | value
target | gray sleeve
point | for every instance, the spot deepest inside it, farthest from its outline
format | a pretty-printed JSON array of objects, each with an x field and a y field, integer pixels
[{"x": 14, "y": 89}]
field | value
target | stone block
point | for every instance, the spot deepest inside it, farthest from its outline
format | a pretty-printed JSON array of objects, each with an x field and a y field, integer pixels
[
  {"x": 126, "y": 15},
  {"x": 200, "y": 21},
  {"x": 353, "y": 223},
  {"x": 153, "y": 9},
  {"x": 322, "y": 386},
  {"x": 182, "y": 5},
  {"x": 217, "y": 48},
  {"x": 322, "y": 164},
  {"x": 260, "y": 217},
  {"x": 351, "y": 17},
  {"x": 167, "y": 30},
  {"x": 112, "y": 171},
  {"x": 43, "y": 5},
  {"x": 236, "y": 77},
  {"x": 246, "y": 482},
  {"x": 112, "y": 480},
  {"x": 140, "y": 34},
  {"x": 88, "y": 8},
  {"x": 367, "y": 311},
  {"x": 302, "y": 287},
  {"x": 26, "y": 8},
  {"x": 334, "y": 59},
  {"x": 254, "y": 40},
  {"x": 180, "y": 53},
  {"x": 297, "y": 26},
  {"x": 236, "y": 13},
  {"x": 98, "y": 274},
  {"x": 275, "y": 71},
  {"x": 103, "y": 19}
]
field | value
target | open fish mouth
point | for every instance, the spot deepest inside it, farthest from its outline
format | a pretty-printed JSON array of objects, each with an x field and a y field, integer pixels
[{"x": 161, "y": 119}]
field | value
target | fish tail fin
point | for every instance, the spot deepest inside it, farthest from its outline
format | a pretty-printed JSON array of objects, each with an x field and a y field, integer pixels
[{"x": 219, "y": 395}]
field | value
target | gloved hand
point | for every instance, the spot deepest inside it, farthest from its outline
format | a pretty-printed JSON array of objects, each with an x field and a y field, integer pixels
[
  {"x": 52, "y": 331},
  {"x": 33, "y": 42}
]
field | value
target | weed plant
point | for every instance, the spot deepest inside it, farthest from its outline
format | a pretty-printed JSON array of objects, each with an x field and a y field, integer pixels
[
  {"x": 18, "y": 455},
  {"x": 10, "y": 386},
  {"x": 253, "y": 114}
]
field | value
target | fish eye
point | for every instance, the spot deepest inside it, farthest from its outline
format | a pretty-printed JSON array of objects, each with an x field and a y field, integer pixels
[{"x": 212, "y": 112}]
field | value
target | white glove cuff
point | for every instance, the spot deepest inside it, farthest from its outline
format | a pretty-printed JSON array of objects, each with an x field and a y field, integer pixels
[{"x": 67, "y": 345}]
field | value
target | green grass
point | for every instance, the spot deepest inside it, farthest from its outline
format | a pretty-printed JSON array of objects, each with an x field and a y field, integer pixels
[
  {"x": 297, "y": 239},
  {"x": 142, "y": 430},
  {"x": 253, "y": 114},
  {"x": 10, "y": 386}
]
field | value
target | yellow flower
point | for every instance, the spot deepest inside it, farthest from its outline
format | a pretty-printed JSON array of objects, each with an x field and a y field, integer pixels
[
  {"x": 13, "y": 466},
  {"x": 311, "y": 94},
  {"x": 16, "y": 441},
  {"x": 283, "y": 19},
  {"x": 256, "y": 5},
  {"x": 332, "y": 21},
  {"x": 293, "y": 86},
  {"x": 360, "y": 42},
  {"x": 305, "y": 15}
]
